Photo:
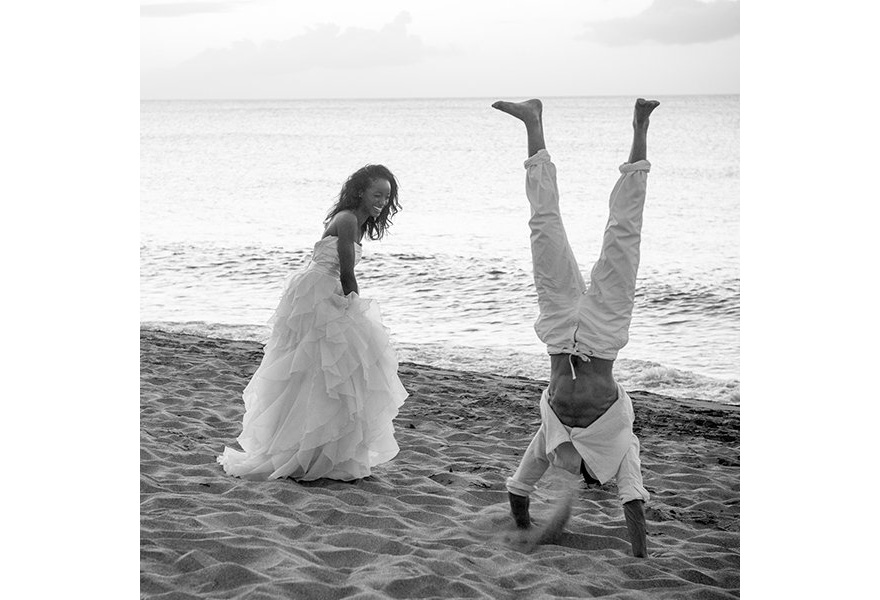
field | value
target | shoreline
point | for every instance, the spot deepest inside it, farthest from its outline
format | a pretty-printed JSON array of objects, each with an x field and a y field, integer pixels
[
  {"x": 519, "y": 365},
  {"x": 433, "y": 518}
]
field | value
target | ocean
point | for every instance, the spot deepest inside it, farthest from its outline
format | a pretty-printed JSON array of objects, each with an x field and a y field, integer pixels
[{"x": 234, "y": 193}]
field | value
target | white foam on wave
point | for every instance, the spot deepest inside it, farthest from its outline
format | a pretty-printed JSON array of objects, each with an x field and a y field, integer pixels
[{"x": 661, "y": 379}]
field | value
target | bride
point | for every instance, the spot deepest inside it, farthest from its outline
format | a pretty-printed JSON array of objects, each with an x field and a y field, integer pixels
[{"x": 322, "y": 401}]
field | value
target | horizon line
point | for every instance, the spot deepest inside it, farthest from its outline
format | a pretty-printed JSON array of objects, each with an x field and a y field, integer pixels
[{"x": 400, "y": 98}]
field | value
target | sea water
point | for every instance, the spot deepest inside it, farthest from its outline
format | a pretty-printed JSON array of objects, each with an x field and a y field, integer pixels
[{"x": 233, "y": 195}]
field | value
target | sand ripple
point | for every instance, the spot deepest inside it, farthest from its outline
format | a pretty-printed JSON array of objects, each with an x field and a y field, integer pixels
[{"x": 433, "y": 522}]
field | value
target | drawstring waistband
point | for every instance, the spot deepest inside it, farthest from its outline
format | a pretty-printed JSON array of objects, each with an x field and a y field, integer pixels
[{"x": 576, "y": 352}]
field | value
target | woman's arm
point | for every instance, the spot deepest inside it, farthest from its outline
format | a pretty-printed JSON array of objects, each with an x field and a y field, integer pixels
[{"x": 347, "y": 235}]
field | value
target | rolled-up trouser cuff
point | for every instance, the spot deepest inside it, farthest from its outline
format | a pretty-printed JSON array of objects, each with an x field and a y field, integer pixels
[
  {"x": 639, "y": 165},
  {"x": 541, "y": 156}
]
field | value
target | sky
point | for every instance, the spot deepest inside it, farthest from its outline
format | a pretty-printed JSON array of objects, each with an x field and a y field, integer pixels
[{"x": 456, "y": 48}]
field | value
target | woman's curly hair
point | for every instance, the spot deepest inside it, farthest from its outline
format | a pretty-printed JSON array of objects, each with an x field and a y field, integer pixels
[{"x": 350, "y": 199}]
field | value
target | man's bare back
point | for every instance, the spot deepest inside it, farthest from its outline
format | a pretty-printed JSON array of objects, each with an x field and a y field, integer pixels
[{"x": 578, "y": 401}]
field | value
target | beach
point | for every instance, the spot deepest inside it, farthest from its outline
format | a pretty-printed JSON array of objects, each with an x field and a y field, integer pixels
[{"x": 434, "y": 521}]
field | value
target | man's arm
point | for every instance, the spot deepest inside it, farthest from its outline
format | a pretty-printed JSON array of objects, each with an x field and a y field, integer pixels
[
  {"x": 634, "y": 511},
  {"x": 633, "y": 495},
  {"x": 532, "y": 466}
]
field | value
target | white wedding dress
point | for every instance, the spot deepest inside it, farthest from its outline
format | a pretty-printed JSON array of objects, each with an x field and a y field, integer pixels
[{"x": 322, "y": 401}]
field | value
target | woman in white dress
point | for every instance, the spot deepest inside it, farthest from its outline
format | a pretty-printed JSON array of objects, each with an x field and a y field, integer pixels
[{"x": 322, "y": 401}]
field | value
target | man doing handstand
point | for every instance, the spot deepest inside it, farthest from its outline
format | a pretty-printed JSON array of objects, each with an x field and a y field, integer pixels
[{"x": 586, "y": 416}]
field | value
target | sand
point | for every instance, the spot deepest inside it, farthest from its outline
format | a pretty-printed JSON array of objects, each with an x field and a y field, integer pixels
[{"x": 433, "y": 522}]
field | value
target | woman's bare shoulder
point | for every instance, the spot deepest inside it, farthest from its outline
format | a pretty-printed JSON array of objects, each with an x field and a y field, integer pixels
[{"x": 344, "y": 222}]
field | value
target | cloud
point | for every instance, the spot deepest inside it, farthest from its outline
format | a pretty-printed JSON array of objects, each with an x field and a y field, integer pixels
[
  {"x": 322, "y": 46},
  {"x": 184, "y": 9},
  {"x": 274, "y": 66},
  {"x": 670, "y": 22}
]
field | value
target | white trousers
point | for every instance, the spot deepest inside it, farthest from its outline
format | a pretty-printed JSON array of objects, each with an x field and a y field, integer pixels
[
  {"x": 575, "y": 318},
  {"x": 588, "y": 321}
]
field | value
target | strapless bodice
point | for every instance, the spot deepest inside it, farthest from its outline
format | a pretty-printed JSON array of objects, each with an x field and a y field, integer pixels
[{"x": 326, "y": 255}]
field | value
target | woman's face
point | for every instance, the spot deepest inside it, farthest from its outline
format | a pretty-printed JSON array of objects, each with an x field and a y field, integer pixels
[{"x": 376, "y": 196}]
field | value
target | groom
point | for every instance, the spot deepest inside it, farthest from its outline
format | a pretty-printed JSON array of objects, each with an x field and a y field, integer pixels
[{"x": 586, "y": 416}]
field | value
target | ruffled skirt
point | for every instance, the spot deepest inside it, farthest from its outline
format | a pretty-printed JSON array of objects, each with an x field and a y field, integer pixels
[{"x": 322, "y": 401}]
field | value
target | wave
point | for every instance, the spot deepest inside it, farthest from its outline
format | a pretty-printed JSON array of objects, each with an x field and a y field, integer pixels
[
  {"x": 674, "y": 294},
  {"x": 447, "y": 301}
]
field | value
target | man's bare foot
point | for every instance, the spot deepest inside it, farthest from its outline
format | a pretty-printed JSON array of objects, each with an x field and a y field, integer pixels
[
  {"x": 528, "y": 111},
  {"x": 519, "y": 508},
  {"x": 642, "y": 111}
]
